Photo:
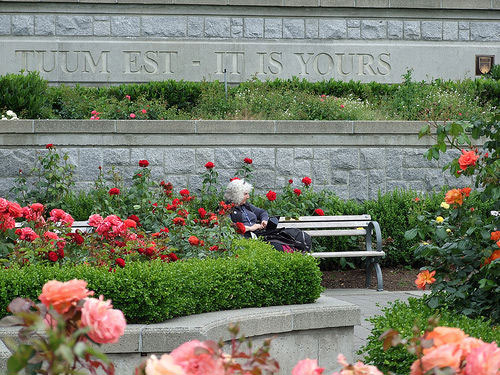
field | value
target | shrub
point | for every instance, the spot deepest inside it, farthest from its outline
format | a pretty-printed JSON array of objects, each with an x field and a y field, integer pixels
[
  {"x": 152, "y": 292},
  {"x": 25, "y": 94},
  {"x": 403, "y": 316}
]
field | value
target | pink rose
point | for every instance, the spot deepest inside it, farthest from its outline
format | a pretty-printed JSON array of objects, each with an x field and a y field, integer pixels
[
  {"x": 483, "y": 360},
  {"x": 15, "y": 210},
  {"x": 132, "y": 115},
  {"x": 28, "y": 234},
  {"x": 63, "y": 295},
  {"x": 106, "y": 324},
  {"x": 4, "y": 204},
  {"x": 95, "y": 220},
  {"x": 447, "y": 355},
  {"x": 164, "y": 366},
  {"x": 307, "y": 367},
  {"x": 196, "y": 358}
]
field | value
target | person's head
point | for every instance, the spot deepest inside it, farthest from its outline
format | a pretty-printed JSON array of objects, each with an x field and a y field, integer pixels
[{"x": 237, "y": 192}]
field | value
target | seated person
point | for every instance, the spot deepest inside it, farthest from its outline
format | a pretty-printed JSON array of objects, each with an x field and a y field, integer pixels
[{"x": 254, "y": 218}]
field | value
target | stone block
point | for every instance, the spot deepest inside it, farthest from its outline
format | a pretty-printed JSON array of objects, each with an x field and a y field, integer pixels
[
  {"x": 273, "y": 28},
  {"x": 16, "y": 126},
  {"x": 102, "y": 28},
  {"x": 316, "y": 127},
  {"x": 293, "y": 28},
  {"x": 23, "y": 25},
  {"x": 6, "y": 183},
  {"x": 155, "y": 126},
  {"x": 353, "y": 23},
  {"x": 253, "y": 28},
  {"x": 373, "y": 29},
  {"x": 179, "y": 160},
  {"x": 321, "y": 153},
  {"x": 45, "y": 25},
  {"x": 5, "y": 21},
  {"x": 332, "y": 29},
  {"x": 466, "y": 4},
  {"x": 321, "y": 173},
  {"x": 463, "y": 34},
  {"x": 264, "y": 179},
  {"x": 217, "y": 27},
  {"x": 102, "y": 18},
  {"x": 372, "y": 3},
  {"x": 234, "y": 126},
  {"x": 74, "y": 25},
  {"x": 395, "y": 29},
  {"x": 153, "y": 155},
  {"x": 353, "y": 33},
  {"x": 300, "y": 3},
  {"x": 393, "y": 164},
  {"x": 89, "y": 161},
  {"x": 202, "y": 157},
  {"x": 263, "y": 157},
  {"x": 195, "y": 27},
  {"x": 344, "y": 159},
  {"x": 179, "y": 181},
  {"x": 415, "y": 4},
  {"x": 284, "y": 161},
  {"x": 236, "y": 27},
  {"x": 372, "y": 158},
  {"x": 164, "y": 26},
  {"x": 312, "y": 28},
  {"x": 448, "y": 157},
  {"x": 411, "y": 30},
  {"x": 15, "y": 160},
  {"x": 116, "y": 156},
  {"x": 71, "y": 153},
  {"x": 302, "y": 167},
  {"x": 414, "y": 158},
  {"x": 303, "y": 153},
  {"x": 358, "y": 185},
  {"x": 376, "y": 183},
  {"x": 74, "y": 126},
  {"x": 337, "y": 3},
  {"x": 450, "y": 30},
  {"x": 392, "y": 185},
  {"x": 230, "y": 157},
  {"x": 463, "y": 25},
  {"x": 339, "y": 177},
  {"x": 485, "y": 31},
  {"x": 432, "y": 30}
]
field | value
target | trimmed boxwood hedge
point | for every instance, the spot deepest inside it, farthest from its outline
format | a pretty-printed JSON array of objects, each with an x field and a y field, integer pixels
[{"x": 152, "y": 292}]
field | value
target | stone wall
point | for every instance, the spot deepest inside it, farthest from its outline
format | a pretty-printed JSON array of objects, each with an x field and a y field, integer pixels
[
  {"x": 117, "y": 41},
  {"x": 354, "y": 159}
]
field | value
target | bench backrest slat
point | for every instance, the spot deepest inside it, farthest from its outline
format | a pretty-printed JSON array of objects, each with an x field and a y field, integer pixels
[
  {"x": 326, "y": 218},
  {"x": 337, "y": 232},
  {"x": 320, "y": 224}
]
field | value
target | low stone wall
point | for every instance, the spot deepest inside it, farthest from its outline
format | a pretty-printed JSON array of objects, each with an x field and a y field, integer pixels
[
  {"x": 319, "y": 330},
  {"x": 355, "y": 159}
]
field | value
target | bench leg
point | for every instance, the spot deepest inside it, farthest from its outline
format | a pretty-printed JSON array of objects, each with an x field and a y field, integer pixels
[{"x": 372, "y": 262}]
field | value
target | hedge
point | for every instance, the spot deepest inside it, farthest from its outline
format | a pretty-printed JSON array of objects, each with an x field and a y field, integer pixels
[{"x": 256, "y": 276}]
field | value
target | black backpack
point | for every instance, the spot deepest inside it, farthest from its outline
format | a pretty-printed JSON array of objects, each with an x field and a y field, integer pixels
[{"x": 292, "y": 237}]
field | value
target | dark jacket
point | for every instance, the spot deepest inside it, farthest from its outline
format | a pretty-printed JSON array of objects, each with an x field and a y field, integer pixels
[{"x": 253, "y": 214}]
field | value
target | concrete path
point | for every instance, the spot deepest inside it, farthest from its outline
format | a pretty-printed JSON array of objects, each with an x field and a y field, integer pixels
[{"x": 371, "y": 303}]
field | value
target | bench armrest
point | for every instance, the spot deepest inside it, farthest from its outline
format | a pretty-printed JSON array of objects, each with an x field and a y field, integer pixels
[{"x": 373, "y": 226}]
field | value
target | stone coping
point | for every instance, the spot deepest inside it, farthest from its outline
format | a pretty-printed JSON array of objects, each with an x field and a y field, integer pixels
[
  {"x": 391, "y": 4},
  {"x": 326, "y": 312}
]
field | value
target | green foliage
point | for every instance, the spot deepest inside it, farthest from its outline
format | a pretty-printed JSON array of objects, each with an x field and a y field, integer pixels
[
  {"x": 153, "y": 292},
  {"x": 403, "y": 316}
]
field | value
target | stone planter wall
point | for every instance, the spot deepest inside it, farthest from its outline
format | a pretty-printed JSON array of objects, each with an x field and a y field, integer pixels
[{"x": 353, "y": 159}]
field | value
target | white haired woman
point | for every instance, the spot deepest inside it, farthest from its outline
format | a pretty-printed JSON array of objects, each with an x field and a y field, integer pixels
[{"x": 254, "y": 218}]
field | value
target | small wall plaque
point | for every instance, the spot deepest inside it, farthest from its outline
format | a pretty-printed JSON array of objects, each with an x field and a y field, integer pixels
[{"x": 484, "y": 64}]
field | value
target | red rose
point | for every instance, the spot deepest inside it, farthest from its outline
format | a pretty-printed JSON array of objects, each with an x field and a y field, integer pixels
[
  {"x": 135, "y": 218},
  {"x": 114, "y": 191},
  {"x": 184, "y": 192},
  {"x": 319, "y": 212},
  {"x": 240, "y": 228},
  {"x": 143, "y": 163},
  {"x": 120, "y": 262},
  {"x": 173, "y": 257},
  {"x": 466, "y": 191},
  {"x": 179, "y": 221},
  {"x": 60, "y": 252},
  {"x": 306, "y": 181},
  {"x": 53, "y": 256},
  {"x": 49, "y": 146},
  {"x": 248, "y": 161},
  {"x": 76, "y": 238},
  {"x": 297, "y": 192},
  {"x": 290, "y": 181},
  {"x": 202, "y": 212},
  {"x": 271, "y": 195},
  {"x": 209, "y": 165},
  {"x": 214, "y": 248},
  {"x": 234, "y": 178},
  {"x": 194, "y": 241},
  {"x": 150, "y": 251}
]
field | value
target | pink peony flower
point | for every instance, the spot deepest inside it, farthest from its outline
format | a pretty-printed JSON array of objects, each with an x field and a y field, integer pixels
[
  {"x": 63, "y": 295},
  {"x": 483, "y": 360},
  {"x": 164, "y": 366},
  {"x": 307, "y": 367},
  {"x": 196, "y": 358},
  {"x": 106, "y": 324}
]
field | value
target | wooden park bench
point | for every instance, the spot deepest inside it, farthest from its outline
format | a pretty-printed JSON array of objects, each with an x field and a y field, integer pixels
[{"x": 349, "y": 225}]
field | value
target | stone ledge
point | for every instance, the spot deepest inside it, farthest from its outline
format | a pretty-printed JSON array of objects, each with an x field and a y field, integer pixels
[
  {"x": 326, "y": 313},
  {"x": 390, "y": 4}
]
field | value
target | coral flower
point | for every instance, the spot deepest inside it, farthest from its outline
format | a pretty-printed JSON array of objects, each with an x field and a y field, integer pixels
[
  {"x": 63, "y": 295},
  {"x": 454, "y": 196},
  {"x": 494, "y": 256},
  {"x": 467, "y": 158},
  {"x": 194, "y": 241},
  {"x": 483, "y": 360},
  {"x": 196, "y": 358},
  {"x": 495, "y": 236},
  {"x": 307, "y": 367},
  {"x": 164, "y": 366},
  {"x": 424, "y": 278},
  {"x": 447, "y": 355},
  {"x": 129, "y": 223},
  {"x": 444, "y": 335},
  {"x": 106, "y": 324}
]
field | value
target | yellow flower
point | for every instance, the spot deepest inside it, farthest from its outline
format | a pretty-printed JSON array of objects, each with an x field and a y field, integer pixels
[
  {"x": 444, "y": 205},
  {"x": 425, "y": 243},
  {"x": 439, "y": 219},
  {"x": 448, "y": 230}
]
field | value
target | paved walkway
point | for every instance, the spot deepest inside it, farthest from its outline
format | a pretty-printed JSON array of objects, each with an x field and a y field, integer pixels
[{"x": 371, "y": 303}]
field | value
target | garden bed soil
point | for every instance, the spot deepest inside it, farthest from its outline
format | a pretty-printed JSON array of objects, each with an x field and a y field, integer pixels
[{"x": 394, "y": 279}]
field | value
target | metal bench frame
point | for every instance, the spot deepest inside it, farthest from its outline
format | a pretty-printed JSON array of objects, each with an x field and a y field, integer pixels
[{"x": 348, "y": 225}]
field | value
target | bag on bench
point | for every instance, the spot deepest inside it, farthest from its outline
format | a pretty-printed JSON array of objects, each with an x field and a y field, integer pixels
[{"x": 285, "y": 238}]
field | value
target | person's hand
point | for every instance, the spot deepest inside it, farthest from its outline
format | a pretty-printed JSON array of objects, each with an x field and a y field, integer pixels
[
  {"x": 264, "y": 224},
  {"x": 254, "y": 227}
]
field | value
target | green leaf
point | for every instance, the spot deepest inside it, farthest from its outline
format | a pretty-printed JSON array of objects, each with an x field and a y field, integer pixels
[
  {"x": 433, "y": 302},
  {"x": 441, "y": 233},
  {"x": 19, "y": 359},
  {"x": 411, "y": 234}
]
